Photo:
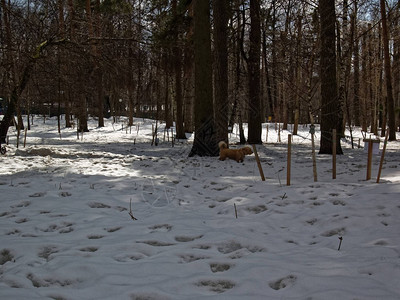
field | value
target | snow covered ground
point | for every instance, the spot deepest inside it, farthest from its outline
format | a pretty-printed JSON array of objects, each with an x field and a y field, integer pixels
[{"x": 66, "y": 232}]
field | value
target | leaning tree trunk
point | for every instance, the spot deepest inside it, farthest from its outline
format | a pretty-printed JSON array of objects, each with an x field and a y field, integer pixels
[{"x": 17, "y": 91}]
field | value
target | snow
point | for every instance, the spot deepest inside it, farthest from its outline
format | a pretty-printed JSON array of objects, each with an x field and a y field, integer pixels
[{"x": 66, "y": 232}]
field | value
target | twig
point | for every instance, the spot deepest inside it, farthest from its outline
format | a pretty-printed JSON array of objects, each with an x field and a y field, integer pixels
[
  {"x": 340, "y": 243},
  {"x": 130, "y": 210},
  {"x": 234, "y": 204}
]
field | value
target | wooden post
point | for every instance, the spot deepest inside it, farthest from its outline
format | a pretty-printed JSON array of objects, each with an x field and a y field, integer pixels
[
  {"x": 369, "y": 161},
  {"x": 18, "y": 133},
  {"x": 314, "y": 159},
  {"x": 289, "y": 156},
  {"x": 172, "y": 136},
  {"x": 266, "y": 134},
  {"x": 258, "y": 162},
  {"x": 382, "y": 156},
  {"x": 26, "y": 132},
  {"x": 334, "y": 154},
  {"x": 279, "y": 132}
]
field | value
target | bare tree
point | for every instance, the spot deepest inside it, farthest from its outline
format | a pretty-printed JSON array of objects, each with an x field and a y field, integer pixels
[
  {"x": 204, "y": 143},
  {"x": 329, "y": 99},
  {"x": 388, "y": 74},
  {"x": 254, "y": 113}
]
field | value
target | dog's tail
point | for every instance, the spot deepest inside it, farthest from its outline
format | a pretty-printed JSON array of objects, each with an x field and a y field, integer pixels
[{"x": 222, "y": 145}]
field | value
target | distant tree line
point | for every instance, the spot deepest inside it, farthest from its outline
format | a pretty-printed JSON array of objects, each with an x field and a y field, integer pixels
[{"x": 204, "y": 65}]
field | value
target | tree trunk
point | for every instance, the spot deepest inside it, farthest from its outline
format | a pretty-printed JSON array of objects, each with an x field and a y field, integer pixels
[
  {"x": 254, "y": 113},
  {"x": 298, "y": 77},
  {"x": 329, "y": 98},
  {"x": 389, "y": 90},
  {"x": 177, "y": 56},
  {"x": 220, "y": 9},
  {"x": 205, "y": 143},
  {"x": 356, "y": 80}
]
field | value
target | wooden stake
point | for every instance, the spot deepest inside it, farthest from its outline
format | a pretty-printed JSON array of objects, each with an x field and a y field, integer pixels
[
  {"x": 258, "y": 162},
  {"x": 26, "y": 132},
  {"x": 333, "y": 153},
  {"x": 289, "y": 157},
  {"x": 340, "y": 243},
  {"x": 234, "y": 204},
  {"x": 382, "y": 156},
  {"x": 369, "y": 161},
  {"x": 18, "y": 133},
  {"x": 279, "y": 132},
  {"x": 314, "y": 159}
]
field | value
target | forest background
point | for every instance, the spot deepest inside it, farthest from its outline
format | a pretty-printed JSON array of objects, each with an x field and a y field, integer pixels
[{"x": 203, "y": 66}]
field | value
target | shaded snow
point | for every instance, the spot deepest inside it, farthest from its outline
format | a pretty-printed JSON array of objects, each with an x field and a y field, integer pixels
[{"x": 66, "y": 232}]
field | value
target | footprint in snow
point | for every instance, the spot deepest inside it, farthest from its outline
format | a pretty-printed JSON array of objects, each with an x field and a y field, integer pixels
[
  {"x": 217, "y": 286},
  {"x": 187, "y": 238},
  {"x": 161, "y": 228},
  {"x": 156, "y": 243},
  {"x": 219, "y": 267},
  {"x": 283, "y": 282},
  {"x": 337, "y": 231},
  {"x": 98, "y": 205},
  {"x": 149, "y": 296},
  {"x": 188, "y": 258}
]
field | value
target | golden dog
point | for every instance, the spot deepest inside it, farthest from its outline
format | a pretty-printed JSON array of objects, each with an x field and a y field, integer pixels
[{"x": 236, "y": 154}]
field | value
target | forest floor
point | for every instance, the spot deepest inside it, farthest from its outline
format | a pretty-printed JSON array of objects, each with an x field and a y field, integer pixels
[{"x": 204, "y": 228}]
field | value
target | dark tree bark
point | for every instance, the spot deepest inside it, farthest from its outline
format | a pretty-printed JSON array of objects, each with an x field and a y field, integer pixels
[
  {"x": 388, "y": 74},
  {"x": 220, "y": 8},
  {"x": 254, "y": 109},
  {"x": 329, "y": 97},
  {"x": 177, "y": 55},
  {"x": 205, "y": 143},
  {"x": 356, "y": 87}
]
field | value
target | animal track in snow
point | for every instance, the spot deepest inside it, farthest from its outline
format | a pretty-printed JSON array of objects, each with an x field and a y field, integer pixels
[
  {"x": 65, "y": 227},
  {"x": 219, "y": 267},
  {"x": 89, "y": 249},
  {"x": 22, "y": 220},
  {"x": 22, "y": 204},
  {"x": 98, "y": 205},
  {"x": 337, "y": 231},
  {"x": 46, "y": 251},
  {"x": 187, "y": 238},
  {"x": 161, "y": 228},
  {"x": 338, "y": 202},
  {"x": 257, "y": 209},
  {"x": 218, "y": 286},
  {"x": 95, "y": 236},
  {"x": 233, "y": 246},
  {"x": 112, "y": 229},
  {"x": 283, "y": 282},
  {"x": 39, "y": 194},
  {"x": 156, "y": 243},
  {"x": 188, "y": 258},
  {"x": 5, "y": 256},
  {"x": 47, "y": 282},
  {"x": 129, "y": 257},
  {"x": 148, "y": 296}
]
